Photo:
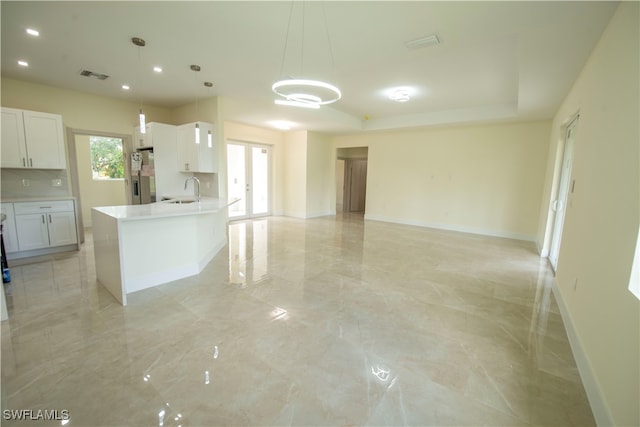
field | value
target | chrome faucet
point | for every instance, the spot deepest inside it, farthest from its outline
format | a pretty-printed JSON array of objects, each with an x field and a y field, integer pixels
[{"x": 196, "y": 186}]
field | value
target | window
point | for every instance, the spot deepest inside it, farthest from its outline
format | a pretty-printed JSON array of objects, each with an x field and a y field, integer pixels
[{"x": 106, "y": 157}]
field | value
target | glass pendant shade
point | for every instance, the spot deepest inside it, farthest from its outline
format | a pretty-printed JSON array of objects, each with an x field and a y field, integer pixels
[
  {"x": 209, "y": 140},
  {"x": 197, "y": 133},
  {"x": 143, "y": 125}
]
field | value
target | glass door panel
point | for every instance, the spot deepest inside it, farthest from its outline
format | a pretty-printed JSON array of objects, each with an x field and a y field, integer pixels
[
  {"x": 260, "y": 180},
  {"x": 248, "y": 167},
  {"x": 237, "y": 182}
]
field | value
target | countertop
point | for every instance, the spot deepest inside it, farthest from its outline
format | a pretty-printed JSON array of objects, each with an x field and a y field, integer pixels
[
  {"x": 165, "y": 209},
  {"x": 35, "y": 199}
]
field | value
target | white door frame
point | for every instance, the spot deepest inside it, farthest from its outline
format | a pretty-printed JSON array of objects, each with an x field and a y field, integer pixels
[
  {"x": 127, "y": 147},
  {"x": 249, "y": 179},
  {"x": 565, "y": 185}
]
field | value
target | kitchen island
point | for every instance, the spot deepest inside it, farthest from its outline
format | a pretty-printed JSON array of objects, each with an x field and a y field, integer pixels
[{"x": 141, "y": 246}]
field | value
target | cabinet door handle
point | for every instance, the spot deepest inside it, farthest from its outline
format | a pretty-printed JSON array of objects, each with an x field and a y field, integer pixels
[
  {"x": 30, "y": 162},
  {"x": 49, "y": 218},
  {"x": 24, "y": 162},
  {"x": 43, "y": 219},
  {"x": 46, "y": 207}
]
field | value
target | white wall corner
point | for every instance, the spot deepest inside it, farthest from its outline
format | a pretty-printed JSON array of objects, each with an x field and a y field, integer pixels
[{"x": 599, "y": 406}]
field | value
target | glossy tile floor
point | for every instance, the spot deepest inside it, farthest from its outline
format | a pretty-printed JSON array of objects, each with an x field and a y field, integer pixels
[{"x": 328, "y": 321}]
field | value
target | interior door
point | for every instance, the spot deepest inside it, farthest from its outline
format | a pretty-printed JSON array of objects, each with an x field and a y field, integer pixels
[
  {"x": 248, "y": 167},
  {"x": 564, "y": 188},
  {"x": 355, "y": 179}
]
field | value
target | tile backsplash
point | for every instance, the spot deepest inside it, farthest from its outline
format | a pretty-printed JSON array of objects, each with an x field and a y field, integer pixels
[{"x": 27, "y": 183}]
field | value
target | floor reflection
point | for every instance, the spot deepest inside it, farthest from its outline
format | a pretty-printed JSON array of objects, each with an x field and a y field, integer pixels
[{"x": 325, "y": 321}]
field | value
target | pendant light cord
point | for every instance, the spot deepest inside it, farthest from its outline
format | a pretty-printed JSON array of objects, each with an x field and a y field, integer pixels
[
  {"x": 302, "y": 42},
  {"x": 140, "y": 77},
  {"x": 286, "y": 39},
  {"x": 326, "y": 28}
]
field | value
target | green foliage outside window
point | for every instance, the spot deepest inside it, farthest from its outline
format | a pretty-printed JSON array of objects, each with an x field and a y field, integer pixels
[{"x": 106, "y": 157}]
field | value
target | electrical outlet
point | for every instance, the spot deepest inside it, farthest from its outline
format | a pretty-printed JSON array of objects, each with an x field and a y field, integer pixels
[
  {"x": 56, "y": 183},
  {"x": 575, "y": 284},
  {"x": 26, "y": 183}
]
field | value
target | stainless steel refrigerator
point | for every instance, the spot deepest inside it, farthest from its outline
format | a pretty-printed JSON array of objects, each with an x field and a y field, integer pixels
[{"x": 143, "y": 183}]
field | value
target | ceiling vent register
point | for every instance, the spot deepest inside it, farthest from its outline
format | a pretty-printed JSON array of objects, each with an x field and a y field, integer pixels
[{"x": 98, "y": 76}]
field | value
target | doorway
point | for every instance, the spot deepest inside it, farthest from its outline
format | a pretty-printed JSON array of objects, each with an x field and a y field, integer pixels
[
  {"x": 248, "y": 171},
  {"x": 351, "y": 179},
  {"x": 96, "y": 185},
  {"x": 355, "y": 185},
  {"x": 564, "y": 189}
]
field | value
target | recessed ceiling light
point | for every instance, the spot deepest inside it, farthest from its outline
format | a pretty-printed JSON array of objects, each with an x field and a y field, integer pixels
[
  {"x": 157, "y": 69},
  {"x": 33, "y": 32},
  {"x": 125, "y": 87},
  {"x": 23, "y": 63}
]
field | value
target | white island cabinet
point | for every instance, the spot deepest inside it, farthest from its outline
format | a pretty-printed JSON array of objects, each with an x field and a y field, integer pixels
[{"x": 141, "y": 246}]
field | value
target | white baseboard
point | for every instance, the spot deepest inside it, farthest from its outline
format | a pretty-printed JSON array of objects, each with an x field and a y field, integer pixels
[
  {"x": 453, "y": 227},
  {"x": 319, "y": 214},
  {"x": 599, "y": 406},
  {"x": 305, "y": 215}
]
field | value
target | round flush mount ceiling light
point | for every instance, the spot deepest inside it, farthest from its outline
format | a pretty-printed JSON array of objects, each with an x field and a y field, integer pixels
[{"x": 400, "y": 95}]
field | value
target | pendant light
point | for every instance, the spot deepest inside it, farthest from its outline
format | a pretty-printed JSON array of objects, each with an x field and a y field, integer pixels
[
  {"x": 195, "y": 69},
  {"x": 209, "y": 85},
  {"x": 302, "y": 92},
  {"x": 141, "y": 118}
]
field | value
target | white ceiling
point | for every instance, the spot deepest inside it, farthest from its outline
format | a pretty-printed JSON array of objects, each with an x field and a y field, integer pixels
[{"x": 497, "y": 60}]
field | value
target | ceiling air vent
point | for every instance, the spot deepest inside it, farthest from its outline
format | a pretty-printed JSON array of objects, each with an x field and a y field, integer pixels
[
  {"x": 431, "y": 40},
  {"x": 98, "y": 76}
]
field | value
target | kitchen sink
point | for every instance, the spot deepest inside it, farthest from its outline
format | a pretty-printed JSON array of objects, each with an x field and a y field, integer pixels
[{"x": 178, "y": 201}]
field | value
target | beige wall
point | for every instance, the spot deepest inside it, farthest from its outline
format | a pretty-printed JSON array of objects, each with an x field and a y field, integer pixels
[
  {"x": 80, "y": 110},
  {"x": 295, "y": 174},
  {"x": 95, "y": 192},
  {"x": 321, "y": 188},
  {"x": 601, "y": 225},
  {"x": 204, "y": 110},
  {"x": 486, "y": 179}
]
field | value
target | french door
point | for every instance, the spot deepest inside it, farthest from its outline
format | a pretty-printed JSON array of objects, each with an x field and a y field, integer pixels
[
  {"x": 248, "y": 172},
  {"x": 564, "y": 188}
]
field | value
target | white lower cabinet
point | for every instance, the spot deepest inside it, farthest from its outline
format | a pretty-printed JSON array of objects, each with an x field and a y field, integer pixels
[
  {"x": 45, "y": 224},
  {"x": 9, "y": 228}
]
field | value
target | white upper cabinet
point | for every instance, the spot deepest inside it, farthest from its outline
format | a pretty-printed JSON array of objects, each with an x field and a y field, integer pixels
[
  {"x": 194, "y": 157},
  {"x": 32, "y": 139}
]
